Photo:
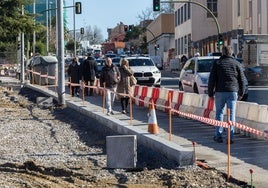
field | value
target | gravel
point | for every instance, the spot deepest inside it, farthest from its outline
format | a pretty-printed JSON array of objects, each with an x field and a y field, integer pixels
[{"x": 57, "y": 147}]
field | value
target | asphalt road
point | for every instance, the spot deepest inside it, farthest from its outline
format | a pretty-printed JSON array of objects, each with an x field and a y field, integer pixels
[{"x": 256, "y": 94}]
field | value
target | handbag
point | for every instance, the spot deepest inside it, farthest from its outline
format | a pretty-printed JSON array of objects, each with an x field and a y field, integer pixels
[{"x": 133, "y": 80}]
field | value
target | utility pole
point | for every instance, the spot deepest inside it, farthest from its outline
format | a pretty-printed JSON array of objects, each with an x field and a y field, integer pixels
[
  {"x": 60, "y": 53},
  {"x": 22, "y": 52},
  {"x": 74, "y": 9}
]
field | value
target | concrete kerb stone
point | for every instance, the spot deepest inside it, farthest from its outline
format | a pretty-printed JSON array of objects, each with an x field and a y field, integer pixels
[{"x": 171, "y": 150}]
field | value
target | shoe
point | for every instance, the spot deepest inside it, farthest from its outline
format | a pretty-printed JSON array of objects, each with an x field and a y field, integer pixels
[
  {"x": 231, "y": 141},
  {"x": 77, "y": 94},
  {"x": 217, "y": 139},
  {"x": 124, "y": 112},
  {"x": 108, "y": 113},
  {"x": 112, "y": 112}
]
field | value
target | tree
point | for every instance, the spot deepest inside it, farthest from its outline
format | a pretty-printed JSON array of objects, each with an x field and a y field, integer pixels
[{"x": 12, "y": 20}]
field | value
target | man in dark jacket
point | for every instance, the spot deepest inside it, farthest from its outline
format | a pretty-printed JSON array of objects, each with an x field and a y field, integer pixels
[
  {"x": 74, "y": 76},
  {"x": 89, "y": 71},
  {"x": 109, "y": 78},
  {"x": 227, "y": 82}
]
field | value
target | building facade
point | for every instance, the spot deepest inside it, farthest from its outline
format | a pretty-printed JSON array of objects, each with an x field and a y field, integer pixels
[
  {"x": 160, "y": 36},
  {"x": 196, "y": 30}
]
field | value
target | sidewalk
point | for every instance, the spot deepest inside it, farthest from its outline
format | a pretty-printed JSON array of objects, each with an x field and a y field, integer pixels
[{"x": 246, "y": 153}]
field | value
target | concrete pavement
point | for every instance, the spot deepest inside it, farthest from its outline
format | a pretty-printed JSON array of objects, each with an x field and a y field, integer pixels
[{"x": 246, "y": 153}]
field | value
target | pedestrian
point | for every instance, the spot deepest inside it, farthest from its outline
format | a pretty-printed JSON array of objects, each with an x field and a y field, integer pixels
[
  {"x": 89, "y": 71},
  {"x": 227, "y": 83},
  {"x": 124, "y": 88},
  {"x": 74, "y": 76},
  {"x": 109, "y": 78}
]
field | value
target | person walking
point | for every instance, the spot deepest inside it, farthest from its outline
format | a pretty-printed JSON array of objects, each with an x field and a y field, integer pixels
[
  {"x": 227, "y": 83},
  {"x": 109, "y": 78},
  {"x": 124, "y": 88},
  {"x": 89, "y": 71},
  {"x": 74, "y": 76}
]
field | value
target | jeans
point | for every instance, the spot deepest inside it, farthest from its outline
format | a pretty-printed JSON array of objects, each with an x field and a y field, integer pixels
[
  {"x": 222, "y": 98},
  {"x": 110, "y": 96}
]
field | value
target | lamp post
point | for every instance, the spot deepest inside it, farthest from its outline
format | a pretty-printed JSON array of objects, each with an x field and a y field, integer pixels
[
  {"x": 47, "y": 41},
  {"x": 74, "y": 28}
]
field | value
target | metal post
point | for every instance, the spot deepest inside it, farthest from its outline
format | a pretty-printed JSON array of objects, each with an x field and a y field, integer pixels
[
  {"x": 60, "y": 54},
  {"x": 34, "y": 37},
  {"x": 47, "y": 42},
  {"x": 74, "y": 28},
  {"x": 22, "y": 52}
]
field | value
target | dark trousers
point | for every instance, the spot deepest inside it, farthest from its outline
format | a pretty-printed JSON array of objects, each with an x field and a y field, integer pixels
[
  {"x": 124, "y": 103},
  {"x": 89, "y": 91},
  {"x": 75, "y": 90}
]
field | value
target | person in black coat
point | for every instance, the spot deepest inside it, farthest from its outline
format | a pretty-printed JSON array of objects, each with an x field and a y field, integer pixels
[
  {"x": 89, "y": 71},
  {"x": 227, "y": 84},
  {"x": 74, "y": 75}
]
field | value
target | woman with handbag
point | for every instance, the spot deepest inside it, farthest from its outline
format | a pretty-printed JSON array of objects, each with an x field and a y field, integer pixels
[{"x": 124, "y": 88}]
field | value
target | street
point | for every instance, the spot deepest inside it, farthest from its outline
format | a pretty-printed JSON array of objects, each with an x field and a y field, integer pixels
[{"x": 256, "y": 94}]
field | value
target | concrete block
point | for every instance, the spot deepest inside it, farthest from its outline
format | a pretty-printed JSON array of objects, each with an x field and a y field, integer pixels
[{"x": 121, "y": 151}]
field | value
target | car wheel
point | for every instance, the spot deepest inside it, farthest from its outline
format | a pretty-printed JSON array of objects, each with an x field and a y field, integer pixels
[
  {"x": 180, "y": 86},
  {"x": 196, "y": 89}
]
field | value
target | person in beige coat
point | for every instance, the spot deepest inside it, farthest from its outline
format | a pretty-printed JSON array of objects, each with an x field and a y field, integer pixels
[{"x": 124, "y": 88}]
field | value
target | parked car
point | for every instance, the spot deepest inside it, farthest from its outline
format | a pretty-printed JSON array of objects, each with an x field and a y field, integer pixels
[
  {"x": 195, "y": 74},
  {"x": 257, "y": 75},
  {"x": 116, "y": 61},
  {"x": 145, "y": 71}
]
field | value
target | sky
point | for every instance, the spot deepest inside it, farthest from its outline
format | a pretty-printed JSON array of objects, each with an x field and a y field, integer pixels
[{"x": 106, "y": 13}]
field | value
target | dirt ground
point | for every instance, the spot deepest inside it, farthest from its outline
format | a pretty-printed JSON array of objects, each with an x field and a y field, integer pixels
[{"x": 50, "y": 148}]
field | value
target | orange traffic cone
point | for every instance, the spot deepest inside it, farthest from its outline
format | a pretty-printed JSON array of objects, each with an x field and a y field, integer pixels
[{"x": 152, "y": 121}]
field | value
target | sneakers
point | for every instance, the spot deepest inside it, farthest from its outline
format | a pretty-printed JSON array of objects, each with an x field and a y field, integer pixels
[
  {"x": 110, "y": 113},
  {"x": 218, "y": 139},
  {"x": 231, "y": 141},
  {"x": 124, "y": 112}
]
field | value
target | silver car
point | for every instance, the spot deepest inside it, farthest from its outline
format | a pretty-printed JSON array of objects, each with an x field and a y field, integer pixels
[{"x": 195, "y": 74}]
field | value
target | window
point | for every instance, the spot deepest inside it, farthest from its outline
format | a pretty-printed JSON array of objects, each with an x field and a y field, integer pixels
[
  {"x": 189, "y": 11},
  {"x": 212, "y": 6},
  {"x": 238, "y": 8},
  {"x": 181, "y": 14},
  {"x": 185, "y": 12}
]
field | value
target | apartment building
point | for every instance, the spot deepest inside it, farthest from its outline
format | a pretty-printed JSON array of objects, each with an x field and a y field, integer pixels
[
  {"x": 160, "y": 36},
  {"x": 196, "y": 29}
]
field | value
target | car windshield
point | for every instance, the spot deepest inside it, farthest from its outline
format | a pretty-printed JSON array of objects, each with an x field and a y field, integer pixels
[
  {"x": 204, "y": 65},
  {"x": 140, "y": 62}
]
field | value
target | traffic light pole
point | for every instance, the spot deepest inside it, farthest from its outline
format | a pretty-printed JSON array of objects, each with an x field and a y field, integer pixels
[
  {"x": 204, "y": 7},
  {"x": 153, "y": 39}
]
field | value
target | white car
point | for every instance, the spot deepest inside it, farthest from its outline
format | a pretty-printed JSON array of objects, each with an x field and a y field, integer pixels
[
  {"x": 145, "y": 71},
  {"x": 195, "y": 74}
]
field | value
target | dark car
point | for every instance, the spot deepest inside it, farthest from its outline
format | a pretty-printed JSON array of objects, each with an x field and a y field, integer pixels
[
  {"x": 257, "y": 75},
  {"x": 100, "y": 63},
  {"x": 116, "y": 61}
]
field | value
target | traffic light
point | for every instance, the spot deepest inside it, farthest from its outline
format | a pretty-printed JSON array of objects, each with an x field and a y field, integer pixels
[
  {"x": 78, "y": 8},
  {"x": 19, "y": 45},
  {"x": 156, "y": 5},
  {"x": 156, "y": 47},
  {"x": 125, "y": 28},
  {"x": 130, "y": 27},
  {"x": 82, "y": 30},
  {"x": 220, "y": 39}
]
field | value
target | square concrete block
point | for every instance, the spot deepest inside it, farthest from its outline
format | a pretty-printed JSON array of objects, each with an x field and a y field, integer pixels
[{"x": 121, "y": 151}]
